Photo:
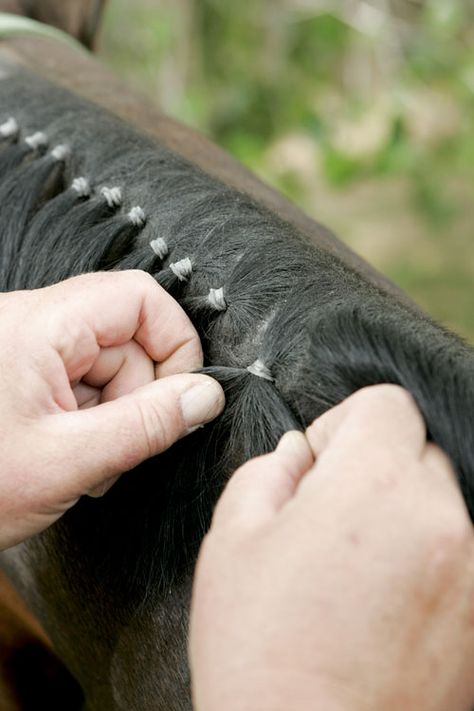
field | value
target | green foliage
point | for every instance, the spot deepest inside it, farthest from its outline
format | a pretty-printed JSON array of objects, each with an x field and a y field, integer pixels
[{"x": 389, "y": 97}]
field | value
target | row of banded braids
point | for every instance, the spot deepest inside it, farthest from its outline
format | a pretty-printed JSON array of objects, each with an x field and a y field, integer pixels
[
  {"x": 42, "y": 213},
  {"x": 97, "y": 235},
  {"x": 287, "y": 328}
]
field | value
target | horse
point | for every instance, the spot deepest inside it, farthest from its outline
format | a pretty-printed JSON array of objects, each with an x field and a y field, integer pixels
[{"x": 93, "y": 177}]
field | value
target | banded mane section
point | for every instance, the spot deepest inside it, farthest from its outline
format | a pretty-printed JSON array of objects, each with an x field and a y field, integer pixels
[{"x": 288, "y": 329}]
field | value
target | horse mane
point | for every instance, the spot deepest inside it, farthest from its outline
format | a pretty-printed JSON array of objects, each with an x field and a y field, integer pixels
[{"x": 288, "y": 329}]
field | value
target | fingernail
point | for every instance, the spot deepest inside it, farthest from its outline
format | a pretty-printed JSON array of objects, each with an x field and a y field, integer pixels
[
  {"x": 201, "y": 403},
  {"x": 293, "y": 443}
]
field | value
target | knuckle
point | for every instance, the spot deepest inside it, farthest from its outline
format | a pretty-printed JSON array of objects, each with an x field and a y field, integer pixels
[
  {"x": 449, "y": 537},
  {"x": 317, "y": 424},
  {"x": 320, "y": 430},
  {"x": 435, "y": 455},
  {"x": 131, "y": 277},
  {"x": 155, "y": 427},
  {"x": 142, "y": 278},
  {"x": 361, "y": 404},
  {"x": 386, "y": 392},
  {"x": 386, "y": 398}
]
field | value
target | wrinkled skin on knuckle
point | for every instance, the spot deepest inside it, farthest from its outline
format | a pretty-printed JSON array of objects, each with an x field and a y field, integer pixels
[{"x": 160, "y": 426}]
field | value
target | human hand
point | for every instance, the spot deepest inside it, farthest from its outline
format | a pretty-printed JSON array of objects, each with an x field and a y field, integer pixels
[
  {"x": 341, "y": 584},
  {"x": 79, "y": 400}
]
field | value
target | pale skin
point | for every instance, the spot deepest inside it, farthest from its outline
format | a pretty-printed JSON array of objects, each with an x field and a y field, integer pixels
[
  {"x": 94, "y": 378},
  {"x": 338, "y": 573}
]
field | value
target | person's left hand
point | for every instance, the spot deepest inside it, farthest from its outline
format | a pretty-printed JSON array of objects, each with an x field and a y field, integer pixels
[{"x": 80, "y": 403}]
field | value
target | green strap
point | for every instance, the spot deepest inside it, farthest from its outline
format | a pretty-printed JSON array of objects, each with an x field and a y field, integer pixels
[{"x": 18, "y": 26}]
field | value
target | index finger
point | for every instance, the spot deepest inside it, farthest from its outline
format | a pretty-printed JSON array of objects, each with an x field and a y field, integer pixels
[{"x": 116, "y": 307}]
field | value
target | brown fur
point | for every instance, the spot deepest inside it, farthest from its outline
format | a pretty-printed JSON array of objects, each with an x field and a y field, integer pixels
[{"x": 31, "y": 676}]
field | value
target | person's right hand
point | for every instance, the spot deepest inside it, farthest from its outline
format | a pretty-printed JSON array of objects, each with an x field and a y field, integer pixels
[{"x": 346, "y": 583}]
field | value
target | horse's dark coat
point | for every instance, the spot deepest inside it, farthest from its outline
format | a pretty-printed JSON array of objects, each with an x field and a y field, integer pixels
[{"x": 111, "y": 581}]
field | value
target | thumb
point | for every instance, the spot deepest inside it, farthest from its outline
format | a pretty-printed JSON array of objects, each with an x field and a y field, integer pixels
[
  {"x": 261, "y": 487},
  {"x": 102, "y": 442}
]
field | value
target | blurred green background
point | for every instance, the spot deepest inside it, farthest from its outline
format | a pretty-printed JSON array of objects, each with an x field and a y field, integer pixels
[{"x": 361, "y": 111}]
